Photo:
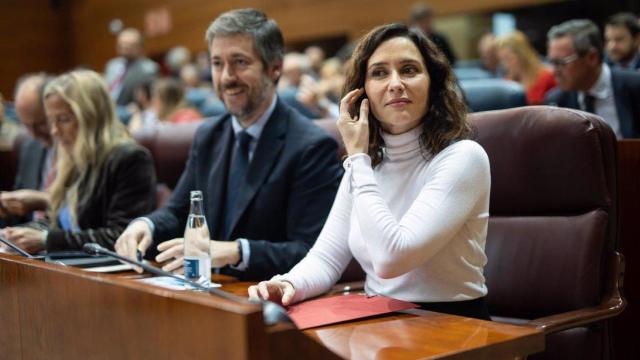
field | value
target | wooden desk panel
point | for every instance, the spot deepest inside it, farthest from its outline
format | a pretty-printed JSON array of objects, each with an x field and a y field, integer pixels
[{"x": 58, "y": 312}]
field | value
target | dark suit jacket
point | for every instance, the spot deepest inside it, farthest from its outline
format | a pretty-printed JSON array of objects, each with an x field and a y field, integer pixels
[
  {"x": 125, "y": 190},
  {"x": 32, "y": 160},
  {"x": 626, "y": 91},
  {"x": 282, "y": 205}
]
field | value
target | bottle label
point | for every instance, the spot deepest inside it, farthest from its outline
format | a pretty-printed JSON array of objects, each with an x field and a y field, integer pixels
[{"x": 192, "y": 268}]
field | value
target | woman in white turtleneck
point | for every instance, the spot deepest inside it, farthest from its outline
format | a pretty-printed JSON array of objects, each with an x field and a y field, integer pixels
[{"x": 413, "y": 205}]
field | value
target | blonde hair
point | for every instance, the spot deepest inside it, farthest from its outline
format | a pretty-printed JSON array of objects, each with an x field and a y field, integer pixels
[
  {"x": 528, "y": 58},
  {"x": 99, "y": 131}
]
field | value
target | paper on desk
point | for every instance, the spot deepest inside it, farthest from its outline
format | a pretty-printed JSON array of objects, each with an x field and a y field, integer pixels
[
  {"x": 171, "y": 283},
  {"x": 110, "y": 268},
  {"x": 340, "y": 308}
]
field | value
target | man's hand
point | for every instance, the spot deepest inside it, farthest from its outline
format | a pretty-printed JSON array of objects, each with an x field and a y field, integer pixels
[
  {"x": 22, "y": 202},
  {"x": 222, "y": 253},
  {"x": 137, "y": 236},
  {"x": 28, "y": 239}
]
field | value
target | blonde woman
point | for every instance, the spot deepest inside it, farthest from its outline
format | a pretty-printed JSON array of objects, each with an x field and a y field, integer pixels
[
  {"x": 523, "y": 64},
  {"x": 103, "y": 179}
]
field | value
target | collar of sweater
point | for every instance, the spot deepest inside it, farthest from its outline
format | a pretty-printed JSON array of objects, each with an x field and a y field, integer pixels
[{"x": 402, "y": 146}]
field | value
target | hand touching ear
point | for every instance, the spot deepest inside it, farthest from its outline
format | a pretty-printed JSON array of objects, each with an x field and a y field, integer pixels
[{"x": 354, "y": 129}]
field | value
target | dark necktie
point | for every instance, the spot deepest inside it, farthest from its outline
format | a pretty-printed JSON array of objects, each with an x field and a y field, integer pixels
[
  {"x": 589, "y": 103},
  {"x": 237, "y": 173}
]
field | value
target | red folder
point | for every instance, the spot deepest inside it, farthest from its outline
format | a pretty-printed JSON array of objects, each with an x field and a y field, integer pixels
[{"x": 334, "y": 309}]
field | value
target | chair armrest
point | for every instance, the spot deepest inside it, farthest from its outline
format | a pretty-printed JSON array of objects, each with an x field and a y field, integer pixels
[{"x": 612, "y": 304}]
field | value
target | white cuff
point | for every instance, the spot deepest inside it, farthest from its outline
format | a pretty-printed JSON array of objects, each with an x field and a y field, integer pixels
[{"x": 359, "y": 171}]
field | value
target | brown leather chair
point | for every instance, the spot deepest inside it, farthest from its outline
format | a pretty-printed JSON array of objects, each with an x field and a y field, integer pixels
[
  {"x": 551, "y": 243},
  {"x": 329, "y": 125},
  {"x": 169, "y": 145}
]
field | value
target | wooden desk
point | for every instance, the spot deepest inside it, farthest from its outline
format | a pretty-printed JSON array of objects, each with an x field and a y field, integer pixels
[{"x": 50, "y": 311}]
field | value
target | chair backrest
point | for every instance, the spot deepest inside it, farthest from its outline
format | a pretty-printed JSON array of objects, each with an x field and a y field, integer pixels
[
  {"x": 471, "y": 72},
  {"x": 553, "y": 209},
  {"x": 492, "y": 94},
  {"x": 330, "y": 126},
  {"x": 169, "y": 145}
]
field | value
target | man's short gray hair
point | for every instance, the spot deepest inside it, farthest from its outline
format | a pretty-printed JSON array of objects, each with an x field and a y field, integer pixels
[
  {"x": 32, "y": 81},
  {"x": 266, "y": 35},
  {"x": 584, "y": 33}
]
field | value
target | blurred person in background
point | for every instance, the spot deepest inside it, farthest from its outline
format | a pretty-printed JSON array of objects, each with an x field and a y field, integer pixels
[
  {"x": 131, "y": 68},
  {"x": 167, "y": 105},
  {"x": 175, "y": 59},
  {"x": 421, "y": 16},
  {"x": 104, "y": 179},
  {"x": 36, "y": 165},
  {"x": 622, "y": 41},
  {"x": 488, "y": 52},
  {"x": 585, "y": 82},
  {"x": 523, "y": 65},
  {"x": 316, "y": 57}
]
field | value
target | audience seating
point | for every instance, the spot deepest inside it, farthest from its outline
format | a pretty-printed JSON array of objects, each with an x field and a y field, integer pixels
[
  {"x": 551, "y": 244},
  {"x": 471, "y": 73},
  {"x": 492, "y": 94}
]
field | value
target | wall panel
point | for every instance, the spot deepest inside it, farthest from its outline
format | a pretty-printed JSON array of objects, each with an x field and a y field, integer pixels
[{"x": 56, "y": 35}]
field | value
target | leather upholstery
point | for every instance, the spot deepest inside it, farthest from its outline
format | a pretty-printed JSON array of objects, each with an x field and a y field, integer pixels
[
  {"x": 169, "y": 145},
  {"x": 553, "y": 218}
]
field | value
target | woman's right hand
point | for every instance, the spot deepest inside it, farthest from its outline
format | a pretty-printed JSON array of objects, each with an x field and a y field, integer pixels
[
  {"x": 273, "y": 290},
  {"x": 354, "y": 128}
]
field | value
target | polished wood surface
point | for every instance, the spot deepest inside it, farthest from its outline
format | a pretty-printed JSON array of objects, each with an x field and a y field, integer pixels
[
  {"x": 421, "y": 334},
  {"x": 51, "y": 311},
  {"x": 624, "y": 326}
]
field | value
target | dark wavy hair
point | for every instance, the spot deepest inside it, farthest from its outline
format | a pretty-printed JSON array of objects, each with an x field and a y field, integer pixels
[{"x": 446, "y": 117}]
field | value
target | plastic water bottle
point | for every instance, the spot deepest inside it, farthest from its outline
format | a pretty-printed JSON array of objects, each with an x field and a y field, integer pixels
[{"x": 197, "y": 257}]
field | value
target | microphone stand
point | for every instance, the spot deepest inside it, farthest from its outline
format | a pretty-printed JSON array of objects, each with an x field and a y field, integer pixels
[{"x": 272, "y": 312}]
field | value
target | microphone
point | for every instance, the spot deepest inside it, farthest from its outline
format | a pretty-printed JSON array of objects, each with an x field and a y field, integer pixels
[{"x": 272, "y": 312}]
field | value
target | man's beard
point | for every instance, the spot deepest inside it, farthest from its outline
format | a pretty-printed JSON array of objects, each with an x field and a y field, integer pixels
[{"x": 254, "y": 99}]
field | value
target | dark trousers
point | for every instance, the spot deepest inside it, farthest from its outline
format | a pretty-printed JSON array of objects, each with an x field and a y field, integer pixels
[{"x": 476, "y": 308}]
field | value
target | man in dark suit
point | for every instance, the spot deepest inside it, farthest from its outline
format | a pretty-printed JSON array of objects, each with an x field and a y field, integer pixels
[
  {"x": 267, "y": 213},
  {"x": 35, "y": 165},
  {"x": 421, "y": 17},
  {"x": 575, "y": 51},
  {"x": 622, "y": 41},
  {"x": 130, "y": 69}
]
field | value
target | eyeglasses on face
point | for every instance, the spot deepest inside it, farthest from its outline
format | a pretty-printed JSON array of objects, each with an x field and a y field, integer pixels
[{"x": 563, "y": 61}]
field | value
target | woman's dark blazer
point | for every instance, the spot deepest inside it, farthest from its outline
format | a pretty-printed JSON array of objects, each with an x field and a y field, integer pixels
[{"x": 125, "y": 190}]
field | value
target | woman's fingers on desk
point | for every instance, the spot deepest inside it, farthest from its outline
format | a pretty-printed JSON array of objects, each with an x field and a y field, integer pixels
[{"x": 274, "y": 290}]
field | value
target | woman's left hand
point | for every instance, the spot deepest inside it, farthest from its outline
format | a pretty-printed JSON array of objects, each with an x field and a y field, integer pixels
[
  {"x": 354, "y": 130},
  {"x": 28, "y": 239}
]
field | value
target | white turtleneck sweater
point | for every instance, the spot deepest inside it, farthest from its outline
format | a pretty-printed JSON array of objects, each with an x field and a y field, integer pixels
[{"x": 417, "y": 226}]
